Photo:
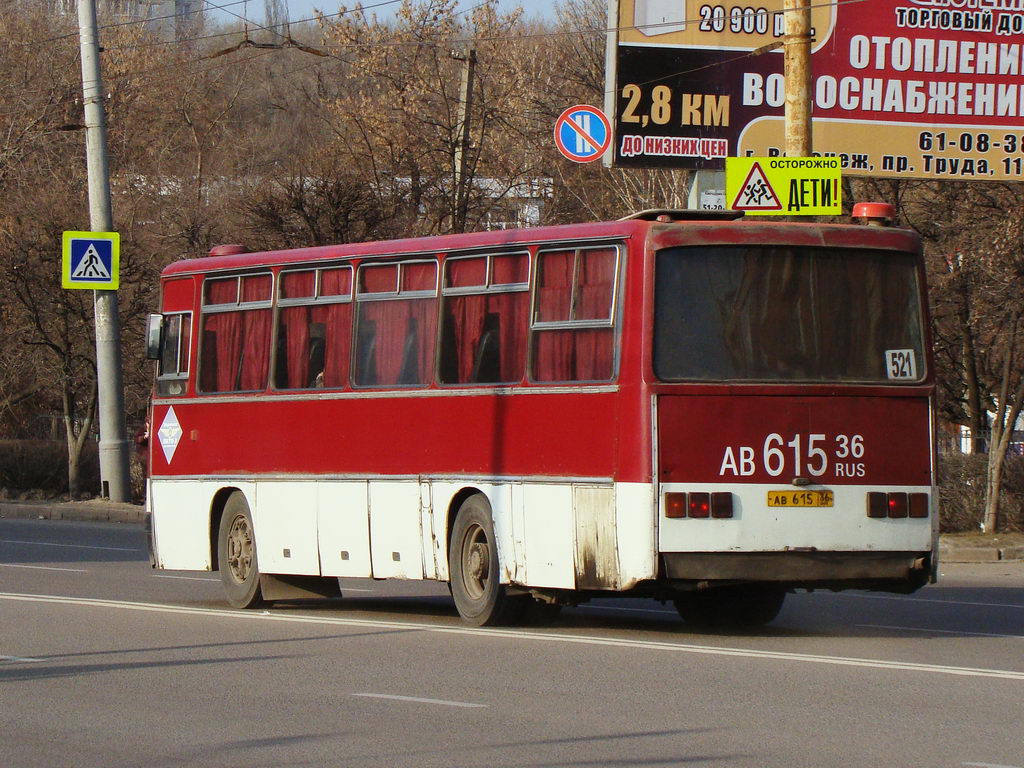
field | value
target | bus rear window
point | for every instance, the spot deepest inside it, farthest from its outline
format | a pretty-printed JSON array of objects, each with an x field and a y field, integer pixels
[{"x": 784, "y": 313}]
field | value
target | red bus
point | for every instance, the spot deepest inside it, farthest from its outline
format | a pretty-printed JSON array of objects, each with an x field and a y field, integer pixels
[{"x": 683, "y": 405}]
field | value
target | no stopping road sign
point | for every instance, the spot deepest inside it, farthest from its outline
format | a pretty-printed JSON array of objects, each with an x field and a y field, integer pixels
[{"x": 582, "y": 133}]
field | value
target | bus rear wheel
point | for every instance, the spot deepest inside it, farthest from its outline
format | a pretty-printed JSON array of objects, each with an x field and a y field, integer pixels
[
  {"x": 236, "y": 555},
  {"x": 744, "y": 606},
  {"x": 475, "y": 572}
]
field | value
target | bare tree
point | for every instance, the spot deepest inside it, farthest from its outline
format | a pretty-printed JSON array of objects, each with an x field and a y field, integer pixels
[{"x": 975, "y": 244}]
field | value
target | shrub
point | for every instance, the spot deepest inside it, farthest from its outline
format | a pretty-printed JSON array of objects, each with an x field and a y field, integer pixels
[
  {"x": 42, "y": 466},
  {"x": 962, "y": 480}
]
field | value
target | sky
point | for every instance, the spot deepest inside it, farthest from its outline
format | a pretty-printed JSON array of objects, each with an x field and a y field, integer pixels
[{"x": 303, "y": 9}]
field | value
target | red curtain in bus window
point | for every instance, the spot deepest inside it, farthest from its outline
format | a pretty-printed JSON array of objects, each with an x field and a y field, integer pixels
[
  {"x": 466, "y": 273},
  {"x": 596, "y": 281},
  {"x": 255, "y": 362},
  {"x": 553, "y": 349},
  {"x": 221, "y": 345},
  {"x": 298, "y": 285},
  {"x": 419, "y": 276},
  {"x": 293, "y": 338},
  {"x": 511, "y": 310},
  {"x": 554, "y": 286},
  {"x": 485, "y": 338},
  {"x": 378, "y": 278},
  {"x": 595, "y": 287},
  {"x": 554, "y": 355},
  {"x": 336, "y": 282},
  {"x": 397, "y": 339},
  {"x": 464, "y": 318},
  {"x": 221, "y": 291},
  {"x": 580, "y": 354},
  {"x": 510, "y": 268},
  {"x": 293, "y": 333},
  {"x": 594, "y": 347},
  {"x": 337, "y": 321}
]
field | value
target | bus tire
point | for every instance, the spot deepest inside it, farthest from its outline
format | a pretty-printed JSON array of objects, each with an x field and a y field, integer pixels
[
  {"x": 475, "y": 583},
  {"x": 236, "y": 555},
  {"x": 745, "y": 606}
]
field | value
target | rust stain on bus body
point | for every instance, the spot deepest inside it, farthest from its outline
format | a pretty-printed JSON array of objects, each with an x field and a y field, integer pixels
[{"x": 597, "y": 556}]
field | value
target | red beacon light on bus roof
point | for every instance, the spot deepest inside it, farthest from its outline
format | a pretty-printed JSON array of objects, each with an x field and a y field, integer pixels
[
  {"x": 874, "y": 214},
  {"x": 232, "y": 249}
]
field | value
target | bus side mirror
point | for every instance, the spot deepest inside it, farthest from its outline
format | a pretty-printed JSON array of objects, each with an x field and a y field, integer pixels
[{"x": 154, "y": 333}]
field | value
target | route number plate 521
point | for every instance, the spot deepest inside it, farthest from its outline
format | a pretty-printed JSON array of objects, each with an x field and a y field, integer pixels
[{"x": 799, "y": 498}]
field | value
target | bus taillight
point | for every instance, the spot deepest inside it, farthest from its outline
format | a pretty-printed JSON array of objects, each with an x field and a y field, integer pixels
[
  {"x": 897, "y": 505},
  {"x": 700, "y": 504},
  {"x": 721, "y": 505},
  {"x": 878, "y": 504},
  {"x": 919, "y": 505},
  {"x": 675, "y": 505}
]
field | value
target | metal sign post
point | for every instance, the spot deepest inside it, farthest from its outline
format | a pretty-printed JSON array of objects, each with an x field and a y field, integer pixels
[{"x": 113, "y": 441}]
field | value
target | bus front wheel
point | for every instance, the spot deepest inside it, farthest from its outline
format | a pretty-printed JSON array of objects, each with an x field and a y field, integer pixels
[
  {"x": 236, "y": 555},
  {"x": 475, "y": 573},
  {"x": 744, "y": 606}
]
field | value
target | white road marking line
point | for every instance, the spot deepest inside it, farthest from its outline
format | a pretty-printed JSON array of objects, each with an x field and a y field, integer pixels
[
  {"x": 941, "y": 631},
  {"x": 418, "y": 700},
  {"x": 70, "y": 546},
  {"x": 929, "y": 600},
  {"x": 510, "y": 634},
  {"x": 989, "y": 765},
  {"x": 18, "y": 659},
  {"x": 43, "y": 568}
]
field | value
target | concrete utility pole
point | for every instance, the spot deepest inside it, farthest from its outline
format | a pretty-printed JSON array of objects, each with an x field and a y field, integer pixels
[
  {"x": 113, "y": 441},
  {"x": 462, "y": 145},
  {"x": 797, "y": 73}
]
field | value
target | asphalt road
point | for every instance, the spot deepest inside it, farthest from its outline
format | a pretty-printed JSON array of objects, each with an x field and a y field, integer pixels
[{"x": 105, "y": 662}]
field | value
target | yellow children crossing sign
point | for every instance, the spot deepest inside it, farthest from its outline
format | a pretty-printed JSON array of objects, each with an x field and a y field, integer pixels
[
  {"x": 784, "y": 186},
  {"x": 91, "y": 260}
]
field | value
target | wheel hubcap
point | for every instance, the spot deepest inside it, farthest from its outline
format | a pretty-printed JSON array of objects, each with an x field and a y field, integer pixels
[
  {"x": 476, "y": 561},
  {"x": 240, "y": 549}
]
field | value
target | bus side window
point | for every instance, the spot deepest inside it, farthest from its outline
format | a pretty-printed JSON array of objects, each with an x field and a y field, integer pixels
[
  {"x": 485, "y": 319},
  {"x": 396, "y": 321},
  {"x": 173, "y": 372},
  {"x": 573, "y": 318},
  {"x": 236, "y": 325},
  {"x": 314, "y": 323}
]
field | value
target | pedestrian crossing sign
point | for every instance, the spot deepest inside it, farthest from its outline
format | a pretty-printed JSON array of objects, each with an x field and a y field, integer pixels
[{"x": 91, "y": 260}]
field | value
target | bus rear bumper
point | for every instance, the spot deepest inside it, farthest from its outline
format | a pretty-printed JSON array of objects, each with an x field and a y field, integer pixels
[{"x": 892, "y": 571}]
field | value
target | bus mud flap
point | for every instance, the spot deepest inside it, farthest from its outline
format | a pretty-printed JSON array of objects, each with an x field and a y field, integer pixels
[{"x": 597, "y": 556}]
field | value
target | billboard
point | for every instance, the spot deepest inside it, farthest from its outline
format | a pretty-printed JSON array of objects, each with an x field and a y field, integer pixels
[{"x": 912, "y": 88}]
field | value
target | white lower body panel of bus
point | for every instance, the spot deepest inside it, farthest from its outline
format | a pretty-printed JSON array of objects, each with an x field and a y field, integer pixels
[
  {"x": 568, "y": 535},
  {"x": 585, "y": 535}
]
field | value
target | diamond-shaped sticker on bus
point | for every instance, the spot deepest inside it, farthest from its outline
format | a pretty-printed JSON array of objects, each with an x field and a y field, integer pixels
[{"x": 169, "y": 434}]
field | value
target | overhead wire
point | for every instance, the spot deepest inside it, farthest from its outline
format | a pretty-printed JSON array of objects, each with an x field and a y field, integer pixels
[
  {"x": 133, "y": 22},
  {"x": 496, "y": 38},
  {"x": 444, "y": 43}
]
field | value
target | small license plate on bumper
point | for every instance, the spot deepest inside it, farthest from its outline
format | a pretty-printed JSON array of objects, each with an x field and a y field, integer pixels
[{"x": 799, "y": 498}]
